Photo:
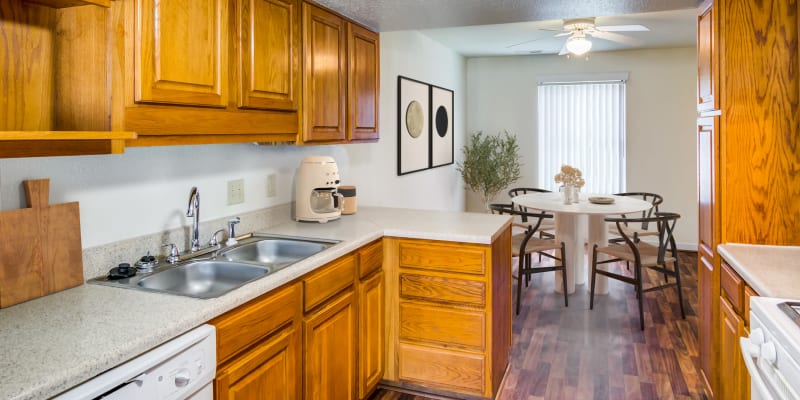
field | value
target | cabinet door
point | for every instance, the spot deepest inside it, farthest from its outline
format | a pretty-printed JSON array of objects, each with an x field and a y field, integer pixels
[
  {"x": 707, "y": 68},
  {"x": 269, "y": 371},
  {"x": 268, "y": 54},
  {"x": 371, "y": 327},
  {"x": 330, "y": 353},
  {"x": 324, "y": 75},
  {"x": 732, "y": 371},
  {"x": 181, "y": 52},
  {"x": 363, "y": 83},
  {"x": 708, "y": 226}
]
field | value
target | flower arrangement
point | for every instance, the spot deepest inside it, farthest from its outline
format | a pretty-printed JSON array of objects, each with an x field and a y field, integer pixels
[{"x": 570, "y": 176}]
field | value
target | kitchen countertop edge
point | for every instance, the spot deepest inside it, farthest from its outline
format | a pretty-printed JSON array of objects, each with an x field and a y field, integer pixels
[{"x": 770, "y": 270}]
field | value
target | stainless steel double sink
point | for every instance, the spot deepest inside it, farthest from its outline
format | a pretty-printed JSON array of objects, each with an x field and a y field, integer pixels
[{"x": 218, "y": 272}]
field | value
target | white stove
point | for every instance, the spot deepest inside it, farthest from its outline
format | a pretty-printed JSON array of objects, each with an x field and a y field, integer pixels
[{"x": 772, "y": 352}]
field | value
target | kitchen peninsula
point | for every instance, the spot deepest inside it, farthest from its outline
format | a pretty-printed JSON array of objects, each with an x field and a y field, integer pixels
[{"x": 52, "y": 343}]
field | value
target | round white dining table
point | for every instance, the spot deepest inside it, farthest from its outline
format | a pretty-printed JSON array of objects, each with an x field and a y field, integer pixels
[{"x": 570, "y": 229}]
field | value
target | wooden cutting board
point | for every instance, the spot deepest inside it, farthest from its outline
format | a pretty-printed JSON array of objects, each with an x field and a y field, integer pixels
[{"x": 40, "y": 247}]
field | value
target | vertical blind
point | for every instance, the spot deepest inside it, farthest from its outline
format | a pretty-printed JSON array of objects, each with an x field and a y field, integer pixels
[{"x": 582, "y": 124}]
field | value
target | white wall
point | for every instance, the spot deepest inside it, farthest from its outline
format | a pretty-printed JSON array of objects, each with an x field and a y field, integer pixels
[
  {"x": 146, "y": 190},
  {"x": 661, "y": 116}
]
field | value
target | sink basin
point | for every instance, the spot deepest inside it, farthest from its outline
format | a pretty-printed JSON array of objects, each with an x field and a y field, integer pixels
[
  {"x": 254, "y": 257},
  {"x": 203, "y": 279},
  {"x": 275, "y": 252}
]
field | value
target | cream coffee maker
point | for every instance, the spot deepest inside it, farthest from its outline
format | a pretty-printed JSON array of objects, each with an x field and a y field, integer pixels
[{"x": 317, "y": 198}]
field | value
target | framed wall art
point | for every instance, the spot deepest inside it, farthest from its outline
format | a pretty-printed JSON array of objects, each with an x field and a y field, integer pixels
[
  {"x": 441, "y": 126},
  {"x": 413, "y": 125}
]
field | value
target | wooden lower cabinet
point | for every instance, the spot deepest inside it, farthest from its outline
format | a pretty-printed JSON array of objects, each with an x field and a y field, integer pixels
[
  {"x": 259, "y": 348},
  {"x": 371, "y": 331},
  {"x": 448, "y": 315},
  {"x": 319, "y": 337},
  {"x": 330, "y": 350},
  {"x": 732, "y": 372},
  {"x": 269, "y": 371}
]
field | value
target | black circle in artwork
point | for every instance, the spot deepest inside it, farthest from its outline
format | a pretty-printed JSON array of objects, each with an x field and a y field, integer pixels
[{"x": 441, "y": 121}]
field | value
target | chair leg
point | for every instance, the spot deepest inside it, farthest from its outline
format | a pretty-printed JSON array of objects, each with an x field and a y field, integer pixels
[
  {"x": 564, "y": 273},
  {"x": 638, "y": 278},
  {"x": 528, "y": 259},
  {"x": 519, "y": 281},
  {"x": 594, "y": 275},
  {"x": 678, "y": 285}
]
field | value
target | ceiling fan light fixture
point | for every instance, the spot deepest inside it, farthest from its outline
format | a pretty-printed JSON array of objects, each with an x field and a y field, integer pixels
[{"x": 578, "y": 45}]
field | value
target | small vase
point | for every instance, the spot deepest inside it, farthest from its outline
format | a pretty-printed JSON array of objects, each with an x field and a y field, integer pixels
[
  {"x": 566, "y": 194},
  {"x": 576, "y": 191}
]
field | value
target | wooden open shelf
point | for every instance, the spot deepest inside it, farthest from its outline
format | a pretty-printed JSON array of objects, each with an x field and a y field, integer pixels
[
  {"x": 71, "y": 3},
  {"x": 14, "y": 144}
]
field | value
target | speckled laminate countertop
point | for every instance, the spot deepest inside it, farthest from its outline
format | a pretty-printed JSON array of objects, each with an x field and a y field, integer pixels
[
  {"x": 55, "y": 342},
  {"x": 772, "y": 271}
]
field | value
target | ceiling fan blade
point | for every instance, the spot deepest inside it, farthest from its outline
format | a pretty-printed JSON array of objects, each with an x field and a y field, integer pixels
[
  {"x": 616, "y": 37},
  {"x": 563, "y": 49},
  {"x": 622, "y": 28},
  {"x": 562, "y": 34},
  {"x": 552, "y": 29}
]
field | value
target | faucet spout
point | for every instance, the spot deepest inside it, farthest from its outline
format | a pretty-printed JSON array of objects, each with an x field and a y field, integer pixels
[{"x": 194, "y": 211}]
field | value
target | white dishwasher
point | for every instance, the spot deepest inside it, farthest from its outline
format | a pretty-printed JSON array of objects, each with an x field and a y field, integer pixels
[{"x": 180, "y": 369}]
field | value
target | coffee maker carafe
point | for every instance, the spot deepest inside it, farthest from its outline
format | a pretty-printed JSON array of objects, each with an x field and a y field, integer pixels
[{"x": 316, "y": 190}]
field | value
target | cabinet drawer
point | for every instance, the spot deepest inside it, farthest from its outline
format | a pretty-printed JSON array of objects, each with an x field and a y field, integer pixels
[
  {"x": 447, "y": 369},
  {"x": 370, "y": 258},
  {"x": 328, "y": 281},
  {"x": 250, "y": 322},
  {"x": 440, "y": 325},
  {"x": 733, "y": 286},
  {"x": 442, "y": 257},
  {"x": 443, "y": 290}
]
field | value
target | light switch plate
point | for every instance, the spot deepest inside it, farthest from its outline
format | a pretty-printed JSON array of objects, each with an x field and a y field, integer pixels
[
  {"x": 235, "y": 192},
  {"x": 272, "y": 189}
]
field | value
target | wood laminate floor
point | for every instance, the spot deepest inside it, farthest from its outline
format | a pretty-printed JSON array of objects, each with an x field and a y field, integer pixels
[{"x": 577, "y": 353}]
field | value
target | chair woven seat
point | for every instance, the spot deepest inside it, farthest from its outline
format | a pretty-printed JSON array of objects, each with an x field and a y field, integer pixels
[
  {"x": 647, "y": 252},
  {"x": 534, "y": 244}
]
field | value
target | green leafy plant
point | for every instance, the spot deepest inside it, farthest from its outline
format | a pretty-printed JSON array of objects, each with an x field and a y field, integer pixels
[{"x": 491, "y": 164}]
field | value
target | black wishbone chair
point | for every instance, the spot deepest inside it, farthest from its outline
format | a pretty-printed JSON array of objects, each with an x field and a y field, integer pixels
[
  {"x": 642, "y": 255},
  {"x": 526, "y": 243},
  {"x": 641, "y": 229}
]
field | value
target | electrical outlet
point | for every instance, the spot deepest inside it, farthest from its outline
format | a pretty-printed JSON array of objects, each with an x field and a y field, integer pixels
[
  {"x": 272, "y": 185},
  {"x": 235, "y": 192}
]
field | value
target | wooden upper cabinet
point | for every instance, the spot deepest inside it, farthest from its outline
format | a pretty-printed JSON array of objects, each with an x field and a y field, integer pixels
[
  {"x": 706, "y": 184},
  {"x": 363, "y": 83},
  {"x": 181, "y": 52},
  {"x": 268, "y": 54},
  {"x": 324, "y": 48},
  {"x": 707, "y": 68}
]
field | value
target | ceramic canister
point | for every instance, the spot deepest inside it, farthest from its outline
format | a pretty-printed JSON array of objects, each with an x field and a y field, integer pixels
[{"x": 349, "y": 200}]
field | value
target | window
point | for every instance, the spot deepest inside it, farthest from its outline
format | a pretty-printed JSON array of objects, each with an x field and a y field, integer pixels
[{"x": 582, "y": 123}]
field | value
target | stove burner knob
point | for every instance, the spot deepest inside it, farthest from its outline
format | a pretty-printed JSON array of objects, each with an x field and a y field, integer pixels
[
  {"x": 768, "y": 353},
  {"x": 182, "y": 378}
]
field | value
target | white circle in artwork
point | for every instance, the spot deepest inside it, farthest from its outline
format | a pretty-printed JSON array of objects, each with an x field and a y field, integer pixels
[{"x": 414, "y": 119}]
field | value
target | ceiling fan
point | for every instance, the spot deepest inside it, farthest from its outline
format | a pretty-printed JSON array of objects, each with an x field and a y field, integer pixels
[{"x": 579, "y": 30}]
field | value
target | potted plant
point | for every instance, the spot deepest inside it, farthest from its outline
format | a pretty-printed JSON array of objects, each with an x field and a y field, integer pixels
[{"x": 491, "y": 164}]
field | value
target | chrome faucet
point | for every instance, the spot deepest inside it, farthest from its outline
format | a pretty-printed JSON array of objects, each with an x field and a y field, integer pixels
[{"x": 194, "y": 211}]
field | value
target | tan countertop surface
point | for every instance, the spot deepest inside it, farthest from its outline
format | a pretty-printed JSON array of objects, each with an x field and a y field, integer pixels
[
  {"x": 772, "y": 271},
  {"x": 53, "y": 343}
]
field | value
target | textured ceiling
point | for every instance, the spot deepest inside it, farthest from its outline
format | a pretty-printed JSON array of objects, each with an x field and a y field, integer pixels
[{"x": 393, "y": 15}]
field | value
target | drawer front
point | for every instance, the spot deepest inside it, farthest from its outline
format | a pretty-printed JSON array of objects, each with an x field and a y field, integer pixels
[
  {"x": 328, "y": 281},
  {"x": 733, "y": 286},
  {"x": 432, "y": 256},
  {"x": 444, "y": 326},
  {"x": 370, "y": 259},
  {"x": 250, "y": 322},
  {"x": 446, "y": 369},
  {"x": 442, "y": 290}
]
